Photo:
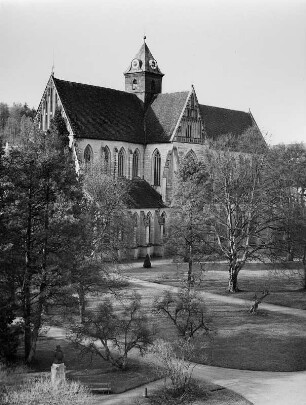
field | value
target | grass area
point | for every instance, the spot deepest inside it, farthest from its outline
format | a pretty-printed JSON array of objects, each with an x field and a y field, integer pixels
[
  {"x": 200, "y": 394},
  {"x": 90, "y": 370},
  {"x": 269, "y": 341},
  {"x": 284, "y": 285}
]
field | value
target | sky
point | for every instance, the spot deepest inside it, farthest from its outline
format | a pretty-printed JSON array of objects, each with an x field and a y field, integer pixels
[{"x": 238, "y": 54}]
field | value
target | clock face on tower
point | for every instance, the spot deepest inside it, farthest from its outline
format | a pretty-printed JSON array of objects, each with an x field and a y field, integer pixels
[
  {"x": 153, "y": 63},
  {"x": 135, "y": 64}
]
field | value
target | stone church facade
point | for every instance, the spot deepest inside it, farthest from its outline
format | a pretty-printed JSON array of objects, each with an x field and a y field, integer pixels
[{"x": 141, "y": 134}]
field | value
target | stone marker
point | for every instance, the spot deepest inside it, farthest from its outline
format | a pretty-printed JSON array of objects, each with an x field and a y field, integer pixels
[{"x": 58, "y": 367}]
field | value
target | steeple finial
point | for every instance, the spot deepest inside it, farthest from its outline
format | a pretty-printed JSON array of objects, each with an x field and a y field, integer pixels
[
  {"x": 52, "y": 69},
  {"x": 144, "y": 38}
]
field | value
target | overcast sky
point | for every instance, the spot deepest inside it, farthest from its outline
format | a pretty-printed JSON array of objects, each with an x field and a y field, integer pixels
[{"x": 238, "y": 54}]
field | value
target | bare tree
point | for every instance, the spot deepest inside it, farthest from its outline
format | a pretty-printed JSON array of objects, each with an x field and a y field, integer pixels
[
  {"x": 234, "y": 206},
  {"x": 117, "y": 330},
  {"x": 185, "y": 310}
]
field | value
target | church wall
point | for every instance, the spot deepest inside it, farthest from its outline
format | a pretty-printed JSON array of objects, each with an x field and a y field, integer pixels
[
  {"x": 184, "y": 148},
  {"x": 148, "y": 237},
  {"x": 114, "y": 147},
  {"x": 163, "y": 149}
]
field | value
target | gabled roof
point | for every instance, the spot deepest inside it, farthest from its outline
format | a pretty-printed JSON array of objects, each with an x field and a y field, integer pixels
[
  {"x": 101, "y": 113},
  {"x": 142, "y": 195},
  {"x": 221, "y": 121},
  {"x": 162, "y": 116}
]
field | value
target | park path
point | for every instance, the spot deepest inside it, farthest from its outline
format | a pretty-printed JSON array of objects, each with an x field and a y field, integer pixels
[
  {"x": 222, "y": 298},
  {"x": 259, "y": 387}
]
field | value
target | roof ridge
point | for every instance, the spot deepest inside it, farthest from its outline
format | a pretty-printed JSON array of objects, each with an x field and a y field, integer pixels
[
  {"x": 174, "y": 92},
  {"x": 222, "y": 108},
  {"x": 97, "y": 87}
]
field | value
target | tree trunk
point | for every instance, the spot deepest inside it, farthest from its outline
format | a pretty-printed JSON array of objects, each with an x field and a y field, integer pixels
[
  {"x": 233, "y": 280},
  {"x": 81, "y": 295},
  {"x": 189, "y": 278},
  {"x": 37, "y": 320},
  {"x": 43, "y": 283},
  {"x": 26, "y": 288},
  {"x": 27, "y": 316},
  {"x": 304, "y": 268}
]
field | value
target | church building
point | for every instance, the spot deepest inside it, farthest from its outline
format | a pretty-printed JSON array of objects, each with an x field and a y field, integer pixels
[{"x": 142, "y": 134}]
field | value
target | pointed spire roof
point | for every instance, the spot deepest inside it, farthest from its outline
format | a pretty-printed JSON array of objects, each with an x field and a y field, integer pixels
[{"x": 144, "y": 61}]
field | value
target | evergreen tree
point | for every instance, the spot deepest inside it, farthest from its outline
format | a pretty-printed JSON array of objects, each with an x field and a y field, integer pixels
[{"x": 41, "y": 190}]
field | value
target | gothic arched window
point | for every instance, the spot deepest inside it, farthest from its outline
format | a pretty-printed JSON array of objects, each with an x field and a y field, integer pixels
[
  {"x": 88, "y": 156},
  {"x": 135, "y": 163},
  {"x": 121, "y": 162},
  {"x": 156, "y": 168},
  {"x": 106, "y": 160},
  {"x": 134, "y": 84}
]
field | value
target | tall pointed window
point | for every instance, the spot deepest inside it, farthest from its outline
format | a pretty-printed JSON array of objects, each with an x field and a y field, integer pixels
[
  {"x": 88, "y": 157},
  {"x": 121, "y": 162},
  {"x": 156, "y": 168},
  {"x": 135, "y": 163},
  {"x": 106, "y": 160},
  {"x": 153, "y": 86}
]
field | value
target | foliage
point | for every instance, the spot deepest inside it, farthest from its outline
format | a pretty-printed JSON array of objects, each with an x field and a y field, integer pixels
[
  {"x": 113, "y": 224},
  {"x": 186, "y": 227},
  {"x": 15, "y": 122},
  {"x": 9, "y": 332},
  {"x": 230, "y": 197},
  {"x": 171, "y": 361},
  {"x": 119, "y": 325},
  {"x": 40, "y": 391},
  {"x": 185, "y": 310},
  {"x": 288, "y": 169},
  {"x": 40, "y": 190}
]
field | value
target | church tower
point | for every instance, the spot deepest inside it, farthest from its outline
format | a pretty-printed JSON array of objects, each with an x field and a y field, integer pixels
[{"x": 143, "y": 76}]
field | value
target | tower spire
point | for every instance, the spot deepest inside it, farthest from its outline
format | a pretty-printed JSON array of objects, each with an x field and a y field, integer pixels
[{"x": 143, "y": 76}]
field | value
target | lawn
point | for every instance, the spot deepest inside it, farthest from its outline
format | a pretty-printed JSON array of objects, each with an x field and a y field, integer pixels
[
  {"x": 284, "y": 285},
  {"x": 91, "y": 370},
  {"x": 269, "y": 341}
]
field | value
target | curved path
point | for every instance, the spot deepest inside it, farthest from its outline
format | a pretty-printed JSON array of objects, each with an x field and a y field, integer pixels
[
  {"x": 222, "y": 298},
  {"x": 259, "y": 387}
]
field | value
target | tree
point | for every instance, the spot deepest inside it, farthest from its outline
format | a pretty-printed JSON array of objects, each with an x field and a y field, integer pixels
[
  {"x": 40, "y": 188},
  {"x": 185, "y": 310},
  {"x": 119, "y": 325},
  {"x": 234, "y": 204},
  {"x": 288, "y": 170},
  {"x": 186, "y": 234},
  {"x": 113, "y": 223}
]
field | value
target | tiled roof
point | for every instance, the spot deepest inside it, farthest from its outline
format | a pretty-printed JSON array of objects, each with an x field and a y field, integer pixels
[
  {"x": 102, "y": 113},
  {"x": 221, "y": 121},
  {"x": 162, "y": 116},
  {"x": 142, "y": 195}
]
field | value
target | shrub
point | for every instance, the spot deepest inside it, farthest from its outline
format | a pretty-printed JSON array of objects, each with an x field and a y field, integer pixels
[
  {"x": 171, "y": 361},
  {"x": 41, "y": 392}
]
